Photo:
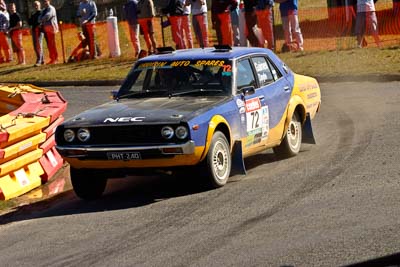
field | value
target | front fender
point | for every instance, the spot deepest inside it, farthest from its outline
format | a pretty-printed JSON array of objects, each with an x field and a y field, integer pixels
[{"x": 212, "y": 126}]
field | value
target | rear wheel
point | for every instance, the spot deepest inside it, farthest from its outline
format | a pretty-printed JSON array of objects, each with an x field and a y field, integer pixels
[
  {"x": 86, "y": 184},
  {"x": 291, "y": 143},
  {"x": 218, "y": 162}
]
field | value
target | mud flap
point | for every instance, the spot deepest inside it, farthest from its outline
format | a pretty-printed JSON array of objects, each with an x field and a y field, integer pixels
[
  {"x": 237, "y": 160},
  {"x": 308, "y": 136}
]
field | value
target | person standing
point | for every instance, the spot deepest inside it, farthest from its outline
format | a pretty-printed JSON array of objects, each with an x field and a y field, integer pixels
[
  {"x": 265, "y": 20},
  {"x": 199, "y": 21},
  {"x": 396, "y": 15},
  {"x": 49, "y": 24},
  {"x": 4, "y": 24},
  {"x": 145, "y": 18},
  {"x": 175, "y": 11},
  {"x": 187, "y": 32},
  {"x": 130, "y": 9},
  {"x": 290, "y": 22},
  {"x": 366, "y": 22},
  {"x": 396, "y": 8},
  {"x": 37, "y": 33},
  {"x": 251, "y": 21},
  {"x": 235, "y": 25},
  {"x": 15, "y": 33},
  {"x": 221, "y": 20},
  {"x": 87, "y": 13}
]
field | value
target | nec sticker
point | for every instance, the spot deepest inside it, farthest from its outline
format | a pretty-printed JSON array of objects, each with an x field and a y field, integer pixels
[{"x": 124, "y": 119}]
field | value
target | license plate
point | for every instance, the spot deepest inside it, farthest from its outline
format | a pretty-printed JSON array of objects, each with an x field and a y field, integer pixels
[{"x": 123, "y": 155}]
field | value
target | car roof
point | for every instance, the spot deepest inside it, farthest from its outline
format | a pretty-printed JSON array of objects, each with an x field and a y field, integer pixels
[{"x": 206, "y": 53}]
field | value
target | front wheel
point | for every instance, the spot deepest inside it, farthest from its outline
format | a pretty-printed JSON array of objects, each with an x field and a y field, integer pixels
[
  {"x": 218, "y": 162},
  {"x": 291, "y": 143},
  {"x": 86, "y": 184}
]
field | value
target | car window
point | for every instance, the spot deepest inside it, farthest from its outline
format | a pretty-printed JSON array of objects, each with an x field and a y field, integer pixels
[
  {"x": 274, "y": 70},
  {"x": 179, "y": 78},
  {"x": 244, "y": 75},
  {"x": 263, "y": 71}
]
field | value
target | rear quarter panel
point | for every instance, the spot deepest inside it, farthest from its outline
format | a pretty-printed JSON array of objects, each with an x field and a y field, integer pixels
[{"x": 307, "y": 88}]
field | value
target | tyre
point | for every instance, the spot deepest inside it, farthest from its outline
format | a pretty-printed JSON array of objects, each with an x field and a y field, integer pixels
[
  {"x": 85, "y": 185},
  {"x": 291, "y": 143},
  {"x": 218, "y": 163}
]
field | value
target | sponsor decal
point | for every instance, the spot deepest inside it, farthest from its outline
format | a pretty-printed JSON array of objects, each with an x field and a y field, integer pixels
[
  {"x": 210, "y": 63},
  {"x": 253, "y": 104},
  {"x": 152, "y": 64},
  {"x": 123, "y": 119},
  {"x": 260, "y": 67},
  {"x": 307, "y": 86},
  {"x": 239, "y": 103},
  {"x": 180, "y": 63},
  {"x": 257, "y": 121},
  {"x": 243, "y": 118},
  {"x": 312, "y": 95}
]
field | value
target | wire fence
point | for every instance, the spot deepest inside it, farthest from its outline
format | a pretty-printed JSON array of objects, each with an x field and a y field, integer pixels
[{"x": 323, "y": 29}]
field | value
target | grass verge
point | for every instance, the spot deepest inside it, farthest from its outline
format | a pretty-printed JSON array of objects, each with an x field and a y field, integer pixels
[{"x": 337, "y": 63}]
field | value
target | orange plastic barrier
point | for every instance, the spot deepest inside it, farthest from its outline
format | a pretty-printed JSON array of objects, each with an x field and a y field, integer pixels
[{"x": 28, "y": 156}]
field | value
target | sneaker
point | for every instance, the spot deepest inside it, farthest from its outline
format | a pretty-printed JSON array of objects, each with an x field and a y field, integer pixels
[
  {"x": 51, "y": 62},
  {"x": 38, "y": 64}
]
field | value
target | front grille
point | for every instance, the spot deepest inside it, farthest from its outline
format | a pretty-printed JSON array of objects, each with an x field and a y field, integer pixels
[{"x": 150, "y": 134}]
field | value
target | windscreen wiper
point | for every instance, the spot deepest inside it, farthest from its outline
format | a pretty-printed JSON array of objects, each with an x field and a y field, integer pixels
[
  {"x": 200, "y": 90},
  {"x": 144, "y": 92}
]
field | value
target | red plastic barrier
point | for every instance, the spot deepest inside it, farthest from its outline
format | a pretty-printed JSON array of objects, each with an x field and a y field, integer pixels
[
  {"x": 51, "y": 162},
  {"x": 48, "y": 144},
  {"x": 47, "y": 104},
  {"x": 50, "y": 130}
]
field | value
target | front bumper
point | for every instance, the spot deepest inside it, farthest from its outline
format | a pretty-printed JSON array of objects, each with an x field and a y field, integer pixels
[{"x": 148, "y": 152}]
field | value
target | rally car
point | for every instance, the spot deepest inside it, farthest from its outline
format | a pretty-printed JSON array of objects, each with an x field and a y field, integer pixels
[{"x": 200, "y": 108}]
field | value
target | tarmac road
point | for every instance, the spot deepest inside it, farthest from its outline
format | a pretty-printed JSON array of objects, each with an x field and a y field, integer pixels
[{"x": 335, "y": 204}]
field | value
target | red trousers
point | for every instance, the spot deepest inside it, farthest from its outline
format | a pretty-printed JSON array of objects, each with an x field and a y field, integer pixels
[
  {"x": 224, "y": 29},
  {"x": 264, "y": 21},
  {"x": 5, "y": 47},
  {"x": 146, "y": 25},
  {"x": 88, "y": 31},
  {"x": 50, "y": 37},
  {"x": 177, "y": 31}
]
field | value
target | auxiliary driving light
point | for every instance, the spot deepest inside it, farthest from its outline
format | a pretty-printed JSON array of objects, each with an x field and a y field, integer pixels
[
  {"x": 83, "y": 134},
  {"x": 167, "y": 132},
  {"x": 181, "y": 132},
  {"x": 69, "y": 135}
]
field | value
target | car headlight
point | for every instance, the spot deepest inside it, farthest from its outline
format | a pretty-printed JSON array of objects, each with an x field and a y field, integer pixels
[
  {"x": 69, "y": 135},
  {"x": 167, "y": 132},
  {"x": 181, "y": 132},
  {"x": 83, "y": 134}
]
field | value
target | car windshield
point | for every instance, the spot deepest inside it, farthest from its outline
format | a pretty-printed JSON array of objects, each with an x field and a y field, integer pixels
[{"x": 178, "y": 78}]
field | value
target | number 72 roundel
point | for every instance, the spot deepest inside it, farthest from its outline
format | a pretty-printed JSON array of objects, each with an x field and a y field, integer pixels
[{"x": 257, "y": 120}]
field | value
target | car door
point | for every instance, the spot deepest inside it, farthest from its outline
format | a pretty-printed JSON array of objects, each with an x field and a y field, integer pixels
[
  {"x": 253, "y": 107},
  {"x": 276, "y": 91}
]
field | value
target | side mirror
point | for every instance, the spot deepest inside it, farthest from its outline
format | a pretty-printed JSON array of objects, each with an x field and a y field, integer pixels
[
  {"x": 113, "y": 95},
  {"x": 248, "y": 90}
]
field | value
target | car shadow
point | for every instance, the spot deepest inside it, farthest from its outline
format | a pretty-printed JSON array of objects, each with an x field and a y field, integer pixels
[{"x": 125, "y": 193}]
